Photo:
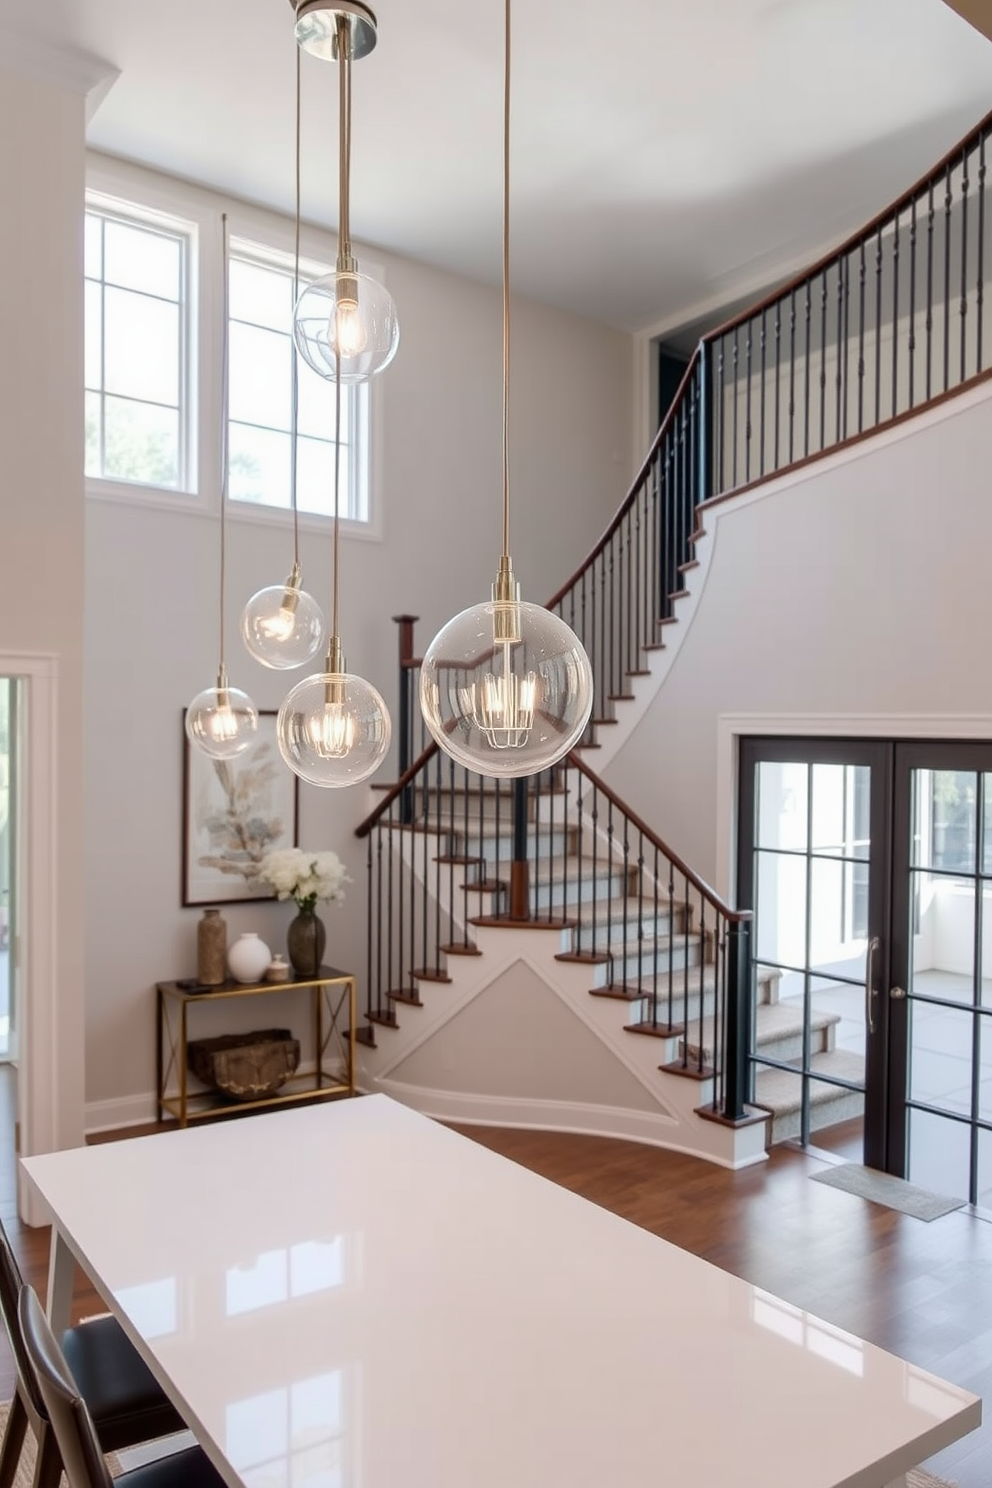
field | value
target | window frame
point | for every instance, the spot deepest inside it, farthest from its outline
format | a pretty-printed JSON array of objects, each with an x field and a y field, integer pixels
[
  {"x": 141, "y": 190},
  {"x": 114, "y": 208},
  {"x": 263, "y": 255}
]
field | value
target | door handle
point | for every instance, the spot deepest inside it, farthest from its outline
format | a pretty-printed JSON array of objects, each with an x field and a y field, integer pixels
[
  {"x": 873, "y": 946},
  {"x": 897, "y": 993}
]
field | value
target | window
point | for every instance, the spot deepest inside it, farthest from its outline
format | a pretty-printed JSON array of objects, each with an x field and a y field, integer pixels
[
  {"x": 154, "y": 355},
  {"x": 260, "y": 441},
  {"x": 137, "y": 347}
]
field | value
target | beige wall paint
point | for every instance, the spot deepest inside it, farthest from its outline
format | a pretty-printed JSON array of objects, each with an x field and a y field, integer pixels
[
  {"x": 151, "y": 629},
  {"x": 41, "y": 499},
  {"x": 518, "y": 1040}
]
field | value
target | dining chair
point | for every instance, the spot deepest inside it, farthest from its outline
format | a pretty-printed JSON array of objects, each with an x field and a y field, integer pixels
[
  {"x": 74, "y": 1430},
  {"x": 126, "y": 1404}
]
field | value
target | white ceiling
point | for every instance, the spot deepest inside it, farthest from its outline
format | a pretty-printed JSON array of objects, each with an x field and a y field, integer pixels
[{"x": 668, "y": 155}]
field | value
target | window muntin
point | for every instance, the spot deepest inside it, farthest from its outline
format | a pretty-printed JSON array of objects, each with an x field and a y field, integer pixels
[
  {"x": 260, "y": 439},
  {"x": 136, "y": 348}
]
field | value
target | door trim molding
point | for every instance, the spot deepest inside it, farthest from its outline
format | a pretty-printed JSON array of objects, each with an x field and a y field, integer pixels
[
  {"x": 40, "y": 1052},
  {"x": 731, "y": 727}
]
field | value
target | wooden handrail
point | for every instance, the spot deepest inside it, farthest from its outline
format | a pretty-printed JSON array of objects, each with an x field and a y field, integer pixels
[
  {"x": 862, "y": 235},
  {"x": 405, "y": 779},
  {"x": 734, "y": 915}
]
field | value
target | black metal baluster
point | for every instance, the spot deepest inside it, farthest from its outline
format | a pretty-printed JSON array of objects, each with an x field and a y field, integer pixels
[
  {"x": 792, "y": 375},
  {"x": 395, "y": 883},
  {"x": 720, "y": 418},
  {"x": 735, "y": 359},
  {"x": 606, "y": 593},
  {"x": 438, "y": 849},
  {"x": 980, "y": 284},
  {"x": 499, "y": 898},
  {"x": 862, "y": 278},
  {"x": 595, "y": 860},
  {"x": 965, "y": 183},
  {"x": 841, "y": 377},
  {"x": 879, "y": 260},
  {"x": 370, "y": 918},
  {"x": 747, "y": 404},
  {"x": 610, "y": 861},
  {"x": 824, "y": 298},
  {"x": 931, "y": 217},
  {"x": 948, "y": 206},
  {"x": 912, "y": 303},
  {"x": 701, "y": 1047},
  {"x": 640, "y": 912},
  {"x": 806, "y": 375},
  {"x": 761, "y": 393},
  {"x": 634, "y": 665},
  {"x": 895, "y": 317},
  {"x": 778, "y": 375}
]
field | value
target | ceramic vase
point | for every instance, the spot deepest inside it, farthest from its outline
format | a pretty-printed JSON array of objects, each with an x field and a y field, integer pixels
[
  {"x": 211, "y": 949},
  {"x": 305, "y": 941},
  {"x": 248, "y": 958}
]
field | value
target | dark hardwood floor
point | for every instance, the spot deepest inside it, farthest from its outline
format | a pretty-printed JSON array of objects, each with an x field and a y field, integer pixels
[{"x": 924, "y": 1291}]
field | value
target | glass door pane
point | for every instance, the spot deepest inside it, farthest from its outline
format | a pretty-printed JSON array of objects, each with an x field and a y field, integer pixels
[
  {"x": 807, "y": 874},
  {"x": 947, "y": 1089}
]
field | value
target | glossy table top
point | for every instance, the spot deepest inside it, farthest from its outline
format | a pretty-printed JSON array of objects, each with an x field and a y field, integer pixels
[{"x": 353, "y": 1295}]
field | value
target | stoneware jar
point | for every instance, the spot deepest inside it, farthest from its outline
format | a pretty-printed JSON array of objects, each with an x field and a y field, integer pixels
[
  {"x": 211, "y": 949},
  {"x": 248, "y": 958}
]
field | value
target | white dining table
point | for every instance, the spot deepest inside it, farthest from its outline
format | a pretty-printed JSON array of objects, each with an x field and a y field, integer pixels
[{"x": 353, "y": 1296}]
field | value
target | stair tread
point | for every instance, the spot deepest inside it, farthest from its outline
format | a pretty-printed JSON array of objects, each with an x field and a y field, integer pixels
[{"x": 781, "y": 1090}]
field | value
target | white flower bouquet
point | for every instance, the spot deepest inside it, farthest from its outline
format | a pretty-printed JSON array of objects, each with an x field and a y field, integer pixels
[{"x": 305, "y": 876}]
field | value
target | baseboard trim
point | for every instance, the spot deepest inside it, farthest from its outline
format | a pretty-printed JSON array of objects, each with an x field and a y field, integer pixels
[
  {"x": 112, "y": 1115},
  {"x": 652, "y": 1130}
]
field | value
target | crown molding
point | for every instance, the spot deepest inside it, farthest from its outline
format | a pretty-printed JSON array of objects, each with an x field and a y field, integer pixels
[{"x": 64, "y": 67}]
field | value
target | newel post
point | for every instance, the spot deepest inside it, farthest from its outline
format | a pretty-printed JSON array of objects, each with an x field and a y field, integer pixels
[
  {"x": 520, "y": 867},
  {"x": 738, "y": 1005},
  {"x": 404, "y": 723}
]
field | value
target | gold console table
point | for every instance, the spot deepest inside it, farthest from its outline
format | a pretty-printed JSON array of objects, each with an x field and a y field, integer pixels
[{"x": 332, "y": 1001}]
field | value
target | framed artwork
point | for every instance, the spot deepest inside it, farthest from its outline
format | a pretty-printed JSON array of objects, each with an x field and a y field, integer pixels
[{"x": 234, "y": 812}]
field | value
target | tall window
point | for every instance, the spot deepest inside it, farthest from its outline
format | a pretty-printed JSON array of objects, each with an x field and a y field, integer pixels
[
  {"x": 137, "y": 344},
  {"x": 262, "y": 351}
]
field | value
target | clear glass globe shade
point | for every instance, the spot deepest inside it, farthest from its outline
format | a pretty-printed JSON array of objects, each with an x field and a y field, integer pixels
[
  {"x": 222, "y": 722},
  {"x": 282, "y": 627},
  {"x": 506, "y": 707},
  {"x": 350, "y": 314},
  {"x": 333, "y": 729}
]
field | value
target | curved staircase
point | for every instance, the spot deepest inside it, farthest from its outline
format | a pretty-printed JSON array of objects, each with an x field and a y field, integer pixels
[{"x": 557, "y": 885}]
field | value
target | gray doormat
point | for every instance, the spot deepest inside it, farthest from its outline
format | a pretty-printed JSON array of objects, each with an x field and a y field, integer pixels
[{"x": 882, "y": 1188}]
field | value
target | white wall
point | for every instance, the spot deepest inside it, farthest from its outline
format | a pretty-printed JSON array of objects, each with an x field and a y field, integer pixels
[
  {"x": 859, "y": 586},
  {"x": 41, "y": 517},
  {"x": 151, "y": 626}
]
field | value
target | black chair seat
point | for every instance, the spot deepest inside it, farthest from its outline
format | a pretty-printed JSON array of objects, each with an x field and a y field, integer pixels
[
  {"x": 126, "y": 1403},
  {"x": 72, "y": 1425},
  {"x": 190, "y": 1468}
]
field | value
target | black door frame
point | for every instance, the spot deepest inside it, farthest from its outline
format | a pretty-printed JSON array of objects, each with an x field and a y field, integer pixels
[{"x": 876, "y": 754}]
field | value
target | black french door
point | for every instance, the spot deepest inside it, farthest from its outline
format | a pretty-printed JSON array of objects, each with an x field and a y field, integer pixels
[{"x": 868, "y": 866}]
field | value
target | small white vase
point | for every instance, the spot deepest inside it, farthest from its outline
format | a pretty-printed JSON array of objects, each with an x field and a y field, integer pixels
[{"x": 248, "y": 958}]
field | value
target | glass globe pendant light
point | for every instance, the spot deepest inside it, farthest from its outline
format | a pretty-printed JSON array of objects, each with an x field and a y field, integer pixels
[
  {"x": 333, "y": 729},
  {"x": 345, "y": 324},
  {"x": 222, "y": 721},
  {"x": 506, "y": 687},
  {"x": 282, "y": 625}
]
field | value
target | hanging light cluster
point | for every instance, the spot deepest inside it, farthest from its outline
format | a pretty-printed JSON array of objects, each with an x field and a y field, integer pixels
[
  {"x": 333, "y": 728},
  {"x": 506, "y": 687}
]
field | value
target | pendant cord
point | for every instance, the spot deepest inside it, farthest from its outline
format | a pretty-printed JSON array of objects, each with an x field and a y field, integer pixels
[
  {"x": 294, "y": 414},
  {"x": 344, "y": 254},
  {"x": 225, "y": 429},
  {"x": 344, "y": 137},
  {"x": 506, "y": 284},
  {"x": 337, "y": 490}
]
